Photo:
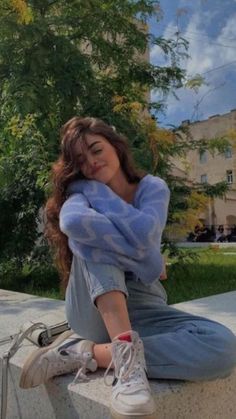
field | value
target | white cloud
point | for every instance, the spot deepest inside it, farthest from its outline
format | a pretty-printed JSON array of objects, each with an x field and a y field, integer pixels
[
  {"x": 157, "y": 56},
  {"x": 229, "y": 30},
  {"x": 206, "y": 54}
]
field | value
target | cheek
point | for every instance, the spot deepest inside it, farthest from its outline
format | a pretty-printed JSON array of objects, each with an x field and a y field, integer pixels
[{"x": 116, "y": 161}]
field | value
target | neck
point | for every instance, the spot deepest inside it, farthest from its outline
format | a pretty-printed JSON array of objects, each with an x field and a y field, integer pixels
[{"x": 120, "y": 185}]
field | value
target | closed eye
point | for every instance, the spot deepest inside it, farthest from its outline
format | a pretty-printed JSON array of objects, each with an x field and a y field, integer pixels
[{"x": 97, "y": 151}]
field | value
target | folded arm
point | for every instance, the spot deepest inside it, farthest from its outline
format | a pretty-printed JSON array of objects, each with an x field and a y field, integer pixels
[
  {"x": 147, "y": 269},
  {"x": 86, "y": 226},
  {"x": 139, "y": 225}
]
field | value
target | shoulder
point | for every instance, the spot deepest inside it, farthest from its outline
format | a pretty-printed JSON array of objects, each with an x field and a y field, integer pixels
[
  {"x": 153, "y": 190},
  {"x": 150, "y": 182}
]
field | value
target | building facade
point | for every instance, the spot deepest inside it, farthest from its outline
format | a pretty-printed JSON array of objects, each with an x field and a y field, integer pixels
[{"x": 205, "y": 167}]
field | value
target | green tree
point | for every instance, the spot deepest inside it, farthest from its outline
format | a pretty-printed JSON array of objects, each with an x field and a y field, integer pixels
[
  {"x": 22, "y": 167},
  {"x": 58, "y": 59}
]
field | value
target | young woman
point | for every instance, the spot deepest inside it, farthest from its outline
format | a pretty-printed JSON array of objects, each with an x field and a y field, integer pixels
[{"x": 105, "y": 220}]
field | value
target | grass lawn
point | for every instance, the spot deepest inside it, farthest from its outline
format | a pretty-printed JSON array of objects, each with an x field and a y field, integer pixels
[{"x": 213, "y": 273}]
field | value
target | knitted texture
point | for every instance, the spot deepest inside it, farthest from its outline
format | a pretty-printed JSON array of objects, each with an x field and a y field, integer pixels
[{"x": 103, "y": 228}]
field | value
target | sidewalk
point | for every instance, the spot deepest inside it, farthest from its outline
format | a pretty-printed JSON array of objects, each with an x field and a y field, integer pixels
[{"x": 90, "y": 400}]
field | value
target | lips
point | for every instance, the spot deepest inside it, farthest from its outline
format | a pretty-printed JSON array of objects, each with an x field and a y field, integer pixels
[{"x": 96, "y": 169}]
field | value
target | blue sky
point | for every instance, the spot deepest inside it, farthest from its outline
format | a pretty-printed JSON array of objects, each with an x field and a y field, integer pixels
[{"x": 210, "y": 28}]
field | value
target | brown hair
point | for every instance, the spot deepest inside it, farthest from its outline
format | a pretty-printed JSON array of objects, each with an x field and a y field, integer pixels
[{"x": 66, "y": 169}]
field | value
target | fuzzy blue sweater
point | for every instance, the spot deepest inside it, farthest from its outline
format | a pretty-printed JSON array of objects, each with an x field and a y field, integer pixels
[{"x": 103, "y": 228}]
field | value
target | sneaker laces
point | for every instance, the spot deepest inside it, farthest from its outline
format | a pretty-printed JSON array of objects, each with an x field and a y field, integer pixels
[
  {"x": 83, "y": 368},
  {"x": 124, "y": 351}
]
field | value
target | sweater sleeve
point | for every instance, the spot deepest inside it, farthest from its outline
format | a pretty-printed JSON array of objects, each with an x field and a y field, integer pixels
[
  {"x": 147, "y": 269},
  {"x": 140, "y": 224},
  {"x": 85, "y": 225}
]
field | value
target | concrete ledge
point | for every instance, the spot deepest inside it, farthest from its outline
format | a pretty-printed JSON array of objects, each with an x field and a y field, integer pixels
[
  {"x": 206, "y": 244},
  {"x": 90, "y": 400}
]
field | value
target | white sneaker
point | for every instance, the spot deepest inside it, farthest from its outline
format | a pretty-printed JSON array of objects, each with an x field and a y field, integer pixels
[
  {"x": 57, "y": 359},
  {"x": 131, "y": 393}
]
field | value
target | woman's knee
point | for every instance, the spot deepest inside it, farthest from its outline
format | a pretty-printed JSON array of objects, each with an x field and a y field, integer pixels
[
  {"x": 221, "y": 358},
  {"x": 228, "y": 351}
]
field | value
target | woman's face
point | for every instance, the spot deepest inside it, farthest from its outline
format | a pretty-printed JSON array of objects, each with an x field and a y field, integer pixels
[{"x": 97, "y": 159}]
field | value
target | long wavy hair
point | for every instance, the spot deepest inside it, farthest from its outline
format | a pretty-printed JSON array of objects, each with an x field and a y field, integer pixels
[{"x": 66, "y": 169}]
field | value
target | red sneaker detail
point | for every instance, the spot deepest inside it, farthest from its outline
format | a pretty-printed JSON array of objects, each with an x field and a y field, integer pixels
[{"x": 126, "y": 337}]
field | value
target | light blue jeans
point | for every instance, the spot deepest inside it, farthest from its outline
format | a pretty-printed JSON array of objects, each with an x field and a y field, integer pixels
[{"x": 177, "y": 345}]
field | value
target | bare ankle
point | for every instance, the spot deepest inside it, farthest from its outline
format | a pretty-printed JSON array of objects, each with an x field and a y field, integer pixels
[{"x": 102, "y": 354}]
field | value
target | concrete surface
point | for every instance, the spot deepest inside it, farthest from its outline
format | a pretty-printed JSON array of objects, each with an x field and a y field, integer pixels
[
  {"x": 90, "y": 400},
  {"x": 206, "y": 244}
]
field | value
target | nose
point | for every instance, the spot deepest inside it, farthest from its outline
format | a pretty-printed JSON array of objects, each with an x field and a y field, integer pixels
[{"x": 92, "y": 160}]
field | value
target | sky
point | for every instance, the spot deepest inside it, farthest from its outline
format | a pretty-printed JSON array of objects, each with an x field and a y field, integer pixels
[{"x": 210, "y": 28}]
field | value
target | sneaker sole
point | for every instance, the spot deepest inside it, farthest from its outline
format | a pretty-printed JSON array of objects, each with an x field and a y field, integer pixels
[
  {"x": 116, "y": 415},
  {"x": 25, "y": 381}
]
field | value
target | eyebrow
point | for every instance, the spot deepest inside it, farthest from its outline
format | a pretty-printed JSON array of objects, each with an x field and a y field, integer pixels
[{"x": 90, "y": 146}]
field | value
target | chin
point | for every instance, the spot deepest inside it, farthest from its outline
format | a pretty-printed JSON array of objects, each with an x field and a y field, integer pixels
[
  {"x": 103, "y": 179},
  {"x": 99, "y": 179}
]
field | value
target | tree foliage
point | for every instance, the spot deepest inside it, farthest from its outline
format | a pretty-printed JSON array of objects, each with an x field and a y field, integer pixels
[
  {"x": 59, "y": 59},
  {"x": 22, "y": 169}
]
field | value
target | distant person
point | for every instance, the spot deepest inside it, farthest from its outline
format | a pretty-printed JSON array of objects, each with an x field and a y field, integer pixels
[
  {"x": 232, "y": 236},
  {"x": 203, "y": 234},
  {"x": 220, "y": 236},
  {"x": 191, "y": 237},
  {"x": 197, "y": 232}
]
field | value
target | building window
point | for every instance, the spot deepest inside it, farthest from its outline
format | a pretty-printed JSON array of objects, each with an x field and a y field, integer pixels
[
  {"x": 229, "y": 176},
  {"x": 204, "y": 178},
  {"x": 203, "y": 156},
  {"x": 228, "y": 152}
]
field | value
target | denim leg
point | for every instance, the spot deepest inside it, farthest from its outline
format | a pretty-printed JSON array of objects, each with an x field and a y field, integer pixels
[
  {"x": 87, "y": 281},
  {"x": 196, "y": 350},
  {"x": 179, "y": 345}
]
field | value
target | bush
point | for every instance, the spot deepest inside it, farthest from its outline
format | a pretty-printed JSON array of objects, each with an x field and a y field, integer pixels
[{"x": 35, "y": 274}]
